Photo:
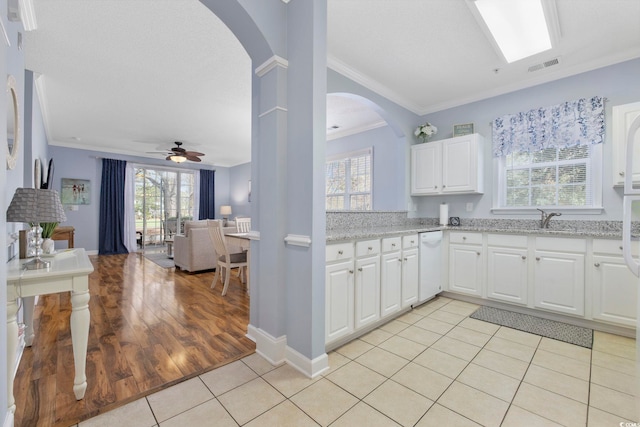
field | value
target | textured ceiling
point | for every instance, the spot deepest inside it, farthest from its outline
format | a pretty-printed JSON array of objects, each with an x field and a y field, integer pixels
[{"x": 134, "y": 76}]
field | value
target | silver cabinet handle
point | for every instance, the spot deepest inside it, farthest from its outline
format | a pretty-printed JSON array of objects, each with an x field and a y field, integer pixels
[
  {"x": 524, "y": 257},
  {"x": 399, "y": 259},
  {"x": 393, "y": 245},
  {"x": 350, "y": 271},
  {"x": 464, "y": 237},
  {"x": 435, "y": 186},
  {"x": 597, "y": 264},
  {"x": 340, "y": 252},
  {"x": 478, "y": 253},
  {"x": 360, "y": 269},
  {"x": 370, "y": 248},
  {"x": 537, "y": 258},
  {"x": 444, "y": 186},
  {"x": 405, "y": 259},
  {"x": 621, "y": 248},
  {"x": 621, "y": 173}
]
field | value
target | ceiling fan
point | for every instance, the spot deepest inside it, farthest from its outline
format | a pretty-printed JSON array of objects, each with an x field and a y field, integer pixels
[{"x": 178, "y": 154}]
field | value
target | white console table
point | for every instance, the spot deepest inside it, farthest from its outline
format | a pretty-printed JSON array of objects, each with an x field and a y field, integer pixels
[{"x": 69, "y": 272}]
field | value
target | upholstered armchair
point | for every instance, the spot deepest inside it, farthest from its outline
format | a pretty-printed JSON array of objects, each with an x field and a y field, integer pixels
[{"x": 193, "y": 250}]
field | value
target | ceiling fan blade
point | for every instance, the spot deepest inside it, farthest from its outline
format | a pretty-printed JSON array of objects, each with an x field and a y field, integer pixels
[
  {"x": 193, "y": 153},
  {"x": 193, "y": 158}
]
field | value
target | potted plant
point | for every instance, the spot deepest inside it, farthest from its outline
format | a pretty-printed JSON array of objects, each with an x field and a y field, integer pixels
[
  {"x": 425, "y": 131},
  {"x": 48, "y": 228}
]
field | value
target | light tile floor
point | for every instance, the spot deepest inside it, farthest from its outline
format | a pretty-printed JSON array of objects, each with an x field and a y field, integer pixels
[{"x": 434, "y": 366}]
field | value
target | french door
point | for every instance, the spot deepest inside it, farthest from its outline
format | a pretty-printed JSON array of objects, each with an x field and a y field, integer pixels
[{"x": 164, "y": 199}]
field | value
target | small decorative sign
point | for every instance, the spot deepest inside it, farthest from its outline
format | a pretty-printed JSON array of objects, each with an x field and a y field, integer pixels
[
  {"x": 75, "y": 191},
  {"x": 463, "y": 129}
]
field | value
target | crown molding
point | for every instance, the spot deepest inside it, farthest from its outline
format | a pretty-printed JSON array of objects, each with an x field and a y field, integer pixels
[
  {"x": 270, "y": 64},
  {"x": 371, "y": 84},
  {"x": 353, "y": 131},
  {"x": 28, "y": 15}
]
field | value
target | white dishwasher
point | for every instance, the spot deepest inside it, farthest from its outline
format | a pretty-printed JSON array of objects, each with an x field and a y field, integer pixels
[{"x": 430, "y": 265}]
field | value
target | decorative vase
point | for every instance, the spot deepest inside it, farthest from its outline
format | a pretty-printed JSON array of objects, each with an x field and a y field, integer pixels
[{"x": 48, "y": 246}]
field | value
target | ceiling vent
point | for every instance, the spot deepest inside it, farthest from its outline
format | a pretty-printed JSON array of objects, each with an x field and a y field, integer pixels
[{"x": 546, "y": 64}]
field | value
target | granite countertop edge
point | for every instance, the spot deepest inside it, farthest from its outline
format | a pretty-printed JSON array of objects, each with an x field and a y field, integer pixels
[{"x": 338, "y": 235}]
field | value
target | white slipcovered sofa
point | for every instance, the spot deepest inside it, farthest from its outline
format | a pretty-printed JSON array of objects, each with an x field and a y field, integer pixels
[{"x": 193, "y": 250}]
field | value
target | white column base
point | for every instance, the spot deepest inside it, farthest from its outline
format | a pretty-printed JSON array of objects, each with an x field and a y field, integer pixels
[{"x": 276, "y": 352}]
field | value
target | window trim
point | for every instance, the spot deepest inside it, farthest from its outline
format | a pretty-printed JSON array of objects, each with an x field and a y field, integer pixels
[
  {"x": 596, "y": 192},
  {"x": 347, "y": 194}
]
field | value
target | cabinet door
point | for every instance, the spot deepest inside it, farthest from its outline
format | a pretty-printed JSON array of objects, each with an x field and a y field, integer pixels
[
  {"x": 460, "y": 165},
  {"x": 615, "y": 289},
  {"x": 465, "y": 269},
  {"x": 367, "y": 302},
  {"x": 339, "y": 300},
  {"x": 390, "y": 283},
  {"x": 559, "y": 282},
  {"x": 623, "y": 116},
  {"x": 410, "y": 277},
  {"x": 507, "y": 274},
  {"x": 426, "y": 168}
]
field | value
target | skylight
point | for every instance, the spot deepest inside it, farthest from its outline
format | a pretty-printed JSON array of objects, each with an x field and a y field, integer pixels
[{"x": 518, "y": 27}]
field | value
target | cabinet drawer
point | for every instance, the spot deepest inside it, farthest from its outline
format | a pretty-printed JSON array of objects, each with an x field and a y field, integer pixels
[
  {"x": 367, "y": 247},
  {"x": 613, "y": 247},
  {"x": 507, "y": 240},
  {"x": 339, "y": 251},
  {"x": 468, "y": 238},
  {"x": 391, "y": 244},
  {"x": 410, "y": 241},
  {"x": 561, "y": 244}
]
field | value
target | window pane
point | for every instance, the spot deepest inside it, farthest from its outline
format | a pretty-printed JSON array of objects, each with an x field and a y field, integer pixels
[
  {"x": 571, "y": 153},
  {"x": 572, "y": 195},
  {"x": 335, "y": 203},
  {"x": 336, "y": 177},
  {"x": 543, "y": 175},
  {"x": 572, "y": 174},
  {"x": 517, "y": 178},
  {"x": 544, "y": 156},
  {"x": 361, "y": 202},
  {"x": 517, "y": 197},
  {"x": 518, "y": 159},
  {"x": 543, "y": 195}
]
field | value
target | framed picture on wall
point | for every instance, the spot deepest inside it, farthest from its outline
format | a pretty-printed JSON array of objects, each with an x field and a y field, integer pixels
[
  {"x": 462, "y": 129},
  {"x": 75, "y": 191}
]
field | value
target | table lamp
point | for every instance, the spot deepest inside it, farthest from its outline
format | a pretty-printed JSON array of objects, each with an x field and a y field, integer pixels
[
  {"x": 225, "y": 211},
  {"x": 34, "y": 206}
]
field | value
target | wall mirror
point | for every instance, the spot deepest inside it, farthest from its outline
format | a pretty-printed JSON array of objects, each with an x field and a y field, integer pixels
[{"x": 13, "y": 123}]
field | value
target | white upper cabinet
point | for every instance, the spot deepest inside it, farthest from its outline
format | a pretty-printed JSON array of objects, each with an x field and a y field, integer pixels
[
  {"x": 449, "y": 166},
  {"x": 623, "y": 115}
]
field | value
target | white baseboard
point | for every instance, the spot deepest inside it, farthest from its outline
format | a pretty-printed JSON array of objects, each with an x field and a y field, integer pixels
[
  {"x": 8, "y": 420},
  {"x": 271, "y": 348},
  {"x": 311, "y": 368},
  {"x": 276, "y": 352}
]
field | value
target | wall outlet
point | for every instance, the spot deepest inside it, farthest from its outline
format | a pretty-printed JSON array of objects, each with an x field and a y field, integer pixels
[{"x": 470, "y": 207}]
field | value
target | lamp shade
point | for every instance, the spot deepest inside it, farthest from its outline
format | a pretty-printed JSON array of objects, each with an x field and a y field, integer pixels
[
  {"x": 225, "y": 210},
  {"x": 34, "y": 205}
]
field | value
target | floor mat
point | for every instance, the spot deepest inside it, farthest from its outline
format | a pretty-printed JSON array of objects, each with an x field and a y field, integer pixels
[
  {"x": 161, "y": 259},
  {"x": 536, "y": 325}
]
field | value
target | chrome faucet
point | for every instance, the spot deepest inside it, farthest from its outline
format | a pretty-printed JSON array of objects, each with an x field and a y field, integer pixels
[{"x": 546, "y": 218}]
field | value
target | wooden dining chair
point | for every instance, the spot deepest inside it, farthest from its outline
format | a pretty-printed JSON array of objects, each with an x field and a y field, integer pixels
[
  {"x": 226, "y": 261},
  {"x": 243, "y": 225}
]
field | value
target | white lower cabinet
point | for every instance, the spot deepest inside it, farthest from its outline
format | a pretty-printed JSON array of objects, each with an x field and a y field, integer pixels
[
  {"x": 367, "y": 283},
  {"x": 615, "y": 288},
  {"x": 559, "y": 275},
  {"x": 339, "y": 300},
  {"x": 391, "y": 276},
  {"x": 465, "y": 263},
  {"x": 507, "y": 268},
  {"x": 410, "y": 270}
]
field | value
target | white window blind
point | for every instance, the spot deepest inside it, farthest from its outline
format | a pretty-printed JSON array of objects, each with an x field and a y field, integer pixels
[
  {"x": 553, "y": 177},
  {"x": 348, "y": 181}
]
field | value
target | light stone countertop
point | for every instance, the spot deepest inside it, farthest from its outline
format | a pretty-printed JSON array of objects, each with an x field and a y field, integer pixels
[{"x": 353, "y": 233}]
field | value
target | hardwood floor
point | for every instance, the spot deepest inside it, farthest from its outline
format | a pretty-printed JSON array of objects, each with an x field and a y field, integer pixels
[{"x": 151, "y": 328}]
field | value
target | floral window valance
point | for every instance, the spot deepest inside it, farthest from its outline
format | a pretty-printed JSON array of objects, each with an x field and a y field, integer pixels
[{"x": 579, "y": 122}]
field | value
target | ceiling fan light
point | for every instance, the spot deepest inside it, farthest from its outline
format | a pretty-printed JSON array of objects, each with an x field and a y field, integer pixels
[{"x": 178, "y": 159}]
